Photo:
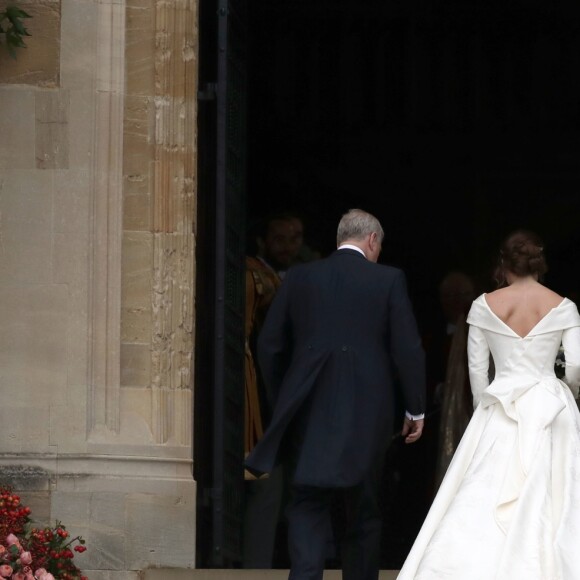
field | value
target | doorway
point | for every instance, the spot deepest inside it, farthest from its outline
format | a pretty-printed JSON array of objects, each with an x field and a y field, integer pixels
[{"x": 453, "y": 123}]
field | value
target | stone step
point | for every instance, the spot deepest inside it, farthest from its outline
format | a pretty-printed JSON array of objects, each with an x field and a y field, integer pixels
[{"x": 206, "y": 574}]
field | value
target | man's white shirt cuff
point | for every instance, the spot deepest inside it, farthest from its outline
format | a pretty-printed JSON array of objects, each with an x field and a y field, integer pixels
[{"x": 414, "y": 417}]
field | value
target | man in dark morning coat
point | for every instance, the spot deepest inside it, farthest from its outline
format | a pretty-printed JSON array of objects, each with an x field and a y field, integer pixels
[{"x": 339, "y": 338}]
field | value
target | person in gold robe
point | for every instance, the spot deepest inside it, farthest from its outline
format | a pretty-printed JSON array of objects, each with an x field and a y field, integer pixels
[
  {"x": 279, "y": 242},
  {"x": 456, "y": 293},
  {"x": 262, "y": 282}
]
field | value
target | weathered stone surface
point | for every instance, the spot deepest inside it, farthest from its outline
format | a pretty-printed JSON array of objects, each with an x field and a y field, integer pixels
[
  {"x": 112, "y": 575},
  {"x": 52, "y": 140},
  {"x": 143, "y": 516},
  {"x": 97, "y": 211},
  {"x": 25, "y": 477},
  {"x": 136, "y": 365},
  {"x": 77, "y": 65},
  {"x": 17, "y": 127}
]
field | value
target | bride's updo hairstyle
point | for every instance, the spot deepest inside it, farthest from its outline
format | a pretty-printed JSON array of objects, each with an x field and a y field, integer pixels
[{"x": 521, "y": 253}]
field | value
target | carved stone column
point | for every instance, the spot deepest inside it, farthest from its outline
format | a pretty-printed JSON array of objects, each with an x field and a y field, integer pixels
[
  {"x": 173, "y": 211},
  {"x": 158, "y": 225}
]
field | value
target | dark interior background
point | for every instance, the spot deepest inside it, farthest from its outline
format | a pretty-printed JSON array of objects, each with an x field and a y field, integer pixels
[{"x": 453, "y": 122}]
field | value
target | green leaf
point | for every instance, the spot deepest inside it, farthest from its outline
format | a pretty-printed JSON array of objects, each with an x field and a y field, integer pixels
[
  {"x": 15, "y": 30},
  {"x": 15, "y": 13}
]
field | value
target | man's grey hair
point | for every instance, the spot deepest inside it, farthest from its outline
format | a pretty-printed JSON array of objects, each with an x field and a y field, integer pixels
[{"x": 357, "y": 224}]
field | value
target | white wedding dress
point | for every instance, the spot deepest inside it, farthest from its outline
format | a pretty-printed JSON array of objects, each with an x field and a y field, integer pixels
[{"x": 508, "y": 507}]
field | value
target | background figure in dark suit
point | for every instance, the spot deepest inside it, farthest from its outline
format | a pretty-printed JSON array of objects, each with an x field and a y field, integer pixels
[
  {"x": 338, "y": 339},
  {"x": 279, "y": 242},
  {"x": 279, "y": 239}
]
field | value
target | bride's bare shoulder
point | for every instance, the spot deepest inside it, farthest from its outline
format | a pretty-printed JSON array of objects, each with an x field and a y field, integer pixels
[
  {"x": 545, "y": 296},
  {"x": 497, "y": 296},
  {"x": 539, "y": 295},
  {"x": 551, "y": 298}
]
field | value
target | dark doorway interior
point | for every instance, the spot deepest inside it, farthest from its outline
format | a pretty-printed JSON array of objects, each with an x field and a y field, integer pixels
[{"x": 453, "y": 122}]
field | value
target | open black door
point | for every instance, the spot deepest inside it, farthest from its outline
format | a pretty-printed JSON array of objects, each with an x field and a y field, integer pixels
[{"x": 220, "y": 299}]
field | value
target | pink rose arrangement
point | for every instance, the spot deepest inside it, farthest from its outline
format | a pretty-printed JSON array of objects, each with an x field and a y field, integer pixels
[{"x": 30, "y": 553}]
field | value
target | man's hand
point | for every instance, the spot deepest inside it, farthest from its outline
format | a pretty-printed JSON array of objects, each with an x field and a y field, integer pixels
[{"x": 412, "y": 430}]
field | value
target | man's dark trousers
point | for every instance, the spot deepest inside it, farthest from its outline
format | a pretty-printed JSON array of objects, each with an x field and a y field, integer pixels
[{"x": 309, "y": 514}]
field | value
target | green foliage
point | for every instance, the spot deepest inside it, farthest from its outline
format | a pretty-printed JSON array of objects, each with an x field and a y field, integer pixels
[{"x": 12, "y": 29}]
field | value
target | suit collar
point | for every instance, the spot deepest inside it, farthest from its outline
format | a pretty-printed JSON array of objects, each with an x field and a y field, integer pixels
[
  {"x": 352, "y": 247},
  {"x": 349, "y": 251}
]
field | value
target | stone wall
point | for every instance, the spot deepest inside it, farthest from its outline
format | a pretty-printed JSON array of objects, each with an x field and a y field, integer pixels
[{"x": 97, "y": 276}]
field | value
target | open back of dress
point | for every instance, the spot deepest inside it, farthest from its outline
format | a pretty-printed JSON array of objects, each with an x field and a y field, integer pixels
[{"x": 509, "y": 505}]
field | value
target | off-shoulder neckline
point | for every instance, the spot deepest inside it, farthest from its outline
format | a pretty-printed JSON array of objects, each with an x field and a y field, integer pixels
[{"x": 484, "y": 299}]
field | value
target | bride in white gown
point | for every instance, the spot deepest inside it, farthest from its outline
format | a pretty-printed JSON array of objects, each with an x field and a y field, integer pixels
[{"x": 509, "y": 505}]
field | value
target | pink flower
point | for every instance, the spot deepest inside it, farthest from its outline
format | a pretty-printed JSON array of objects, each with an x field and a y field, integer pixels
[
  {"x": 26, "y": 558},
  {"x": 2, "y": 549},
  {"x": 19, "y": 576},
  {"x": 42, "y": 574},
  {"x": 11, "y": 539},
  {"x": 5, "y": 571}
]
